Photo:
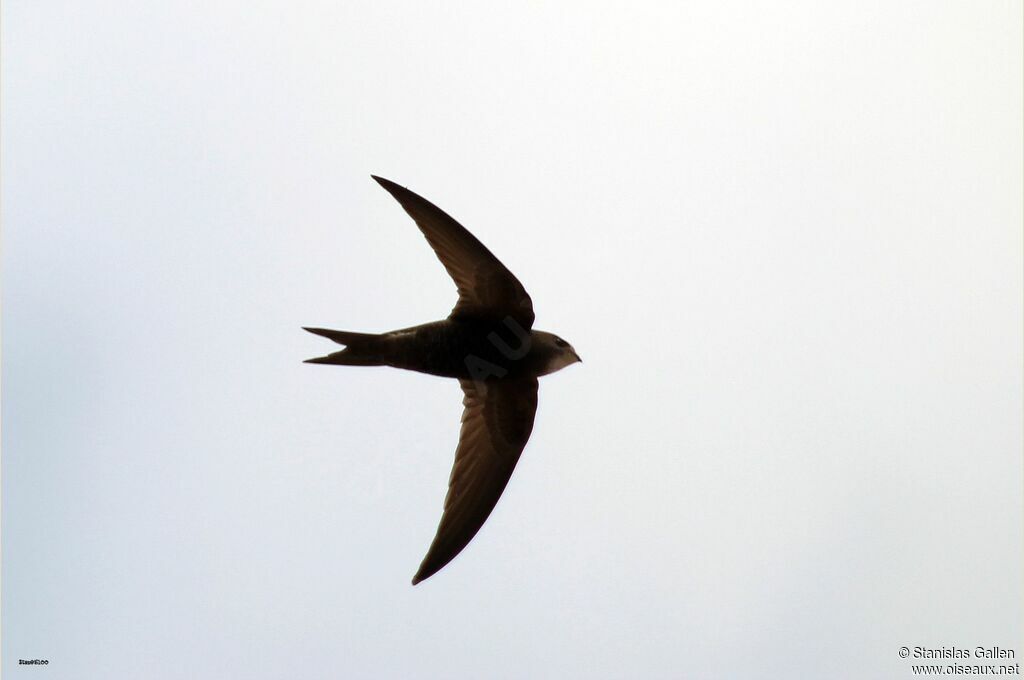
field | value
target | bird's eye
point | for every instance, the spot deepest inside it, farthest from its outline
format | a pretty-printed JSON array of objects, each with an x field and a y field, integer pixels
[{"x": 561, "y": 343}]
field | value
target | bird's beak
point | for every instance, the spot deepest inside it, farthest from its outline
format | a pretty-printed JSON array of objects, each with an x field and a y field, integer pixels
[{"x": 577, "y": 357}]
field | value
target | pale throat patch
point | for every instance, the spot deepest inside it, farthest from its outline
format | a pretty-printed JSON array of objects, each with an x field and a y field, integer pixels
[{"x": 559, "y": 361}]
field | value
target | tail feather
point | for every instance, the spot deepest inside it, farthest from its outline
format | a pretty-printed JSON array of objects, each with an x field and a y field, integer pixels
[
  {"x": 343, "y": 337},
  {"x": 361, "y": 349}
]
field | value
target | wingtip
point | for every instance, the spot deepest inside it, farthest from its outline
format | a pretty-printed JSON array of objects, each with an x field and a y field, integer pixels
[
  {"x": 390, "y": 186},
  {"x": 422, "y": 575}
]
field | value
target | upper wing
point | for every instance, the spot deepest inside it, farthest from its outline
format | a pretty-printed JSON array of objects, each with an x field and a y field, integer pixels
[
  {"x": 496, "y": 425},
  {"x": 487, "y": 290}
]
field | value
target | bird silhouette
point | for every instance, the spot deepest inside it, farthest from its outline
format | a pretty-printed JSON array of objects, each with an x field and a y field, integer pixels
[{"x": 489, "y": 345}]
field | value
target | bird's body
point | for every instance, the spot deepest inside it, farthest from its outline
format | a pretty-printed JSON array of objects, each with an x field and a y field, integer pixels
[
  {"x": 488, "y": 344},
  {"x": 452, "y": 349}
]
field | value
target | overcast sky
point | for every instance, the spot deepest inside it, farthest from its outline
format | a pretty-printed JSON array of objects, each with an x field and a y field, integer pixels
[{"x": 785, "y": 238}]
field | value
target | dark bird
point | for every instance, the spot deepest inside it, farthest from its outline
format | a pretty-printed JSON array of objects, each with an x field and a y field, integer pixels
[{"x": 488, "y": 344}]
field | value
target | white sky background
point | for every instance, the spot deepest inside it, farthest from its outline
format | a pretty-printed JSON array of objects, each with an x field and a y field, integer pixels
[{"x": 785, "y": 238}]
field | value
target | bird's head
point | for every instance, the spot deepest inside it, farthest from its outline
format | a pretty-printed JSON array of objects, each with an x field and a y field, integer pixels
[{"x": 559, "y": 353}]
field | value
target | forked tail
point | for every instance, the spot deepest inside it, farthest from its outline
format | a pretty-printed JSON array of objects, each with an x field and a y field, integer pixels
[{"x": 361, "y": 349}]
